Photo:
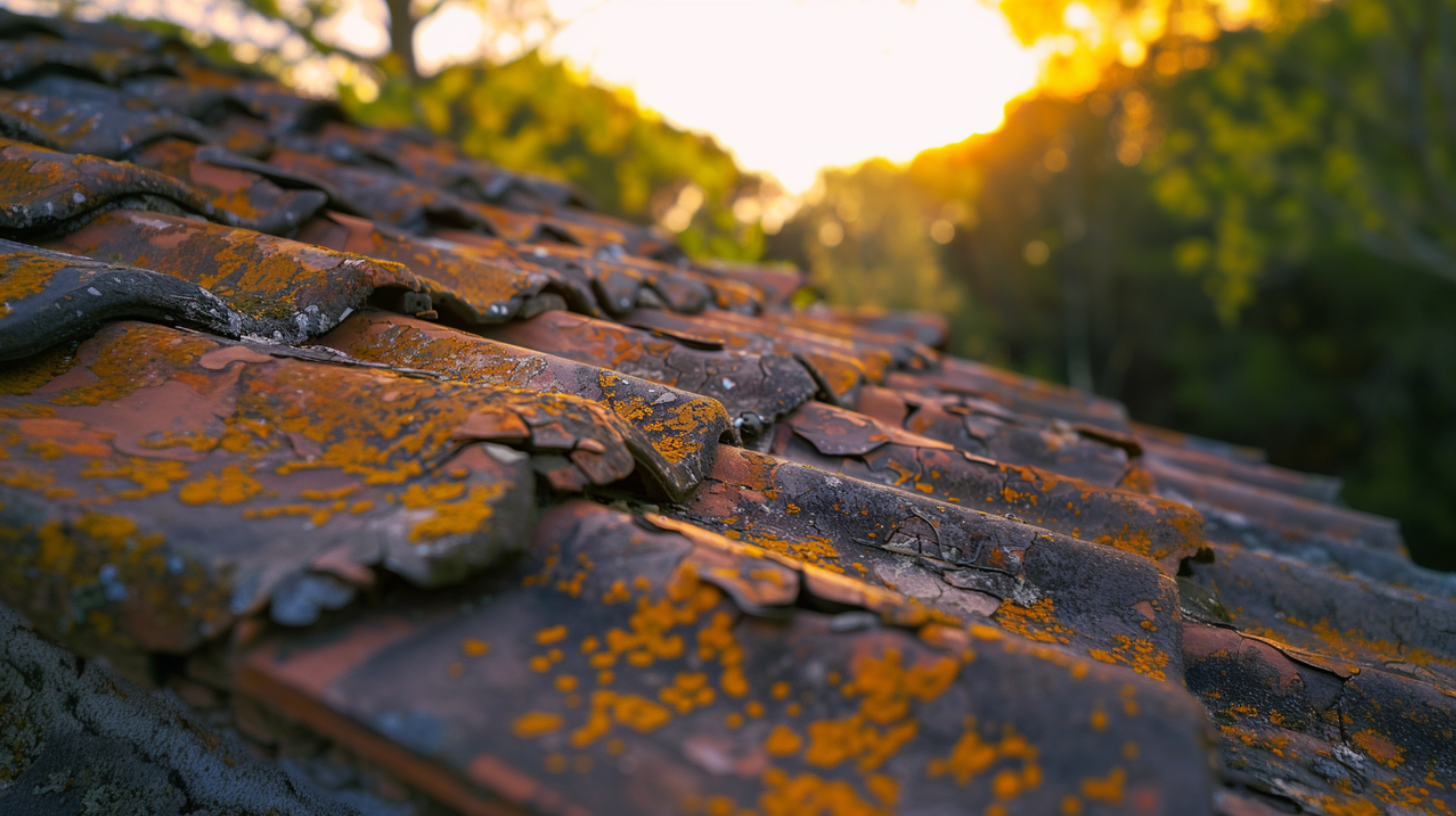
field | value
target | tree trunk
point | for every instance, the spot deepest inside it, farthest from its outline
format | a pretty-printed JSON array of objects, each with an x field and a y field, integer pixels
[{"x": 402, "y": 36}]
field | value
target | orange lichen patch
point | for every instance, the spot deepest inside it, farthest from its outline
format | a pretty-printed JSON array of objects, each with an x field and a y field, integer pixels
[
  {"x": 677, "y": 432},
  {"x": 1108, "y": 789},
  {"x": 231, "y": 486},
  {"x": 138, "y": 359},
  {"x": 534, "y": 724},
  {"x": 1037, "y": 622},
  {"x": 782, "y": 741},
  {"x": 1352, "y": 645},
  {"x": 1379, "y": 748},
  {"x": 884, "y": 788},
  {"x": 1349, "y": 807},
  {"x": 24, "y": 275},
  {"x": 884, "y": 722},
  {"x": 808, "y": 793},
  {"x": 464, "y": 517},
  {"x": 629, "y": 710},
  {"x": 151, "y": 476},
  {"x": 973, "y": 756},
  {"x": 689, "y": 690},
  {"x": 1140, "y": 654},
  {"x": 474, "y": 648},
  {"x": 815, "y": 550},
  {"x": 554, "y": 634}
]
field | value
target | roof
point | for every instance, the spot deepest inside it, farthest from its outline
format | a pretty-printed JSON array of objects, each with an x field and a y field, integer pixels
[{"x": 449, "y": 494}]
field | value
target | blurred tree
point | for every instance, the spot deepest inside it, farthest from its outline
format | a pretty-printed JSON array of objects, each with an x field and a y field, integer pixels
[
  {"x": 310, "y": 19},
  {"x": 540, "y": 117},
  {"x": 1340, "y": 129},
  {"x": 867, "y": 237}
]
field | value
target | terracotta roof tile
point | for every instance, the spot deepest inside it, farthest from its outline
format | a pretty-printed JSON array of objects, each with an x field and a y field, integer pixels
[
  {"x": 755, "y": 388},
  {"x": 281, "y": 289},
  {"x": 963, "y": 562},
  {"x": 985, "y": 428},
  {"x": 855, "y": 445},
  {"x": 683, "y": 427},
  {"x": 632, "y": 671},
  {"x": 453, "y": 495}
]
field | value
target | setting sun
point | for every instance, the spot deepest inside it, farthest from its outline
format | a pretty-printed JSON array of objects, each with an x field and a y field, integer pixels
[{"x": 790, "y": 87}]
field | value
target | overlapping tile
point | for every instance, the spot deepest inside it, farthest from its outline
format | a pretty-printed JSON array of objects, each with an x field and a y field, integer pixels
[
  {"x": 755, "y": 388},
  {"x": 1020, "y": 393},
  {"x": 159, "y": 483},
  {"x": 282, "y": 289},
  {"x": 44, "y": 192},
  {"x": 1257, "y": 474},
  {"x": 75, "y": 116},
  {"x": 842, "y": 441},
  {"x": 986, "y": 428},
  {"x": 839, "y": 368},
  {"x": 483, "y": 283},
  {"x": 382, "y": 195},
  {"x": 243, "y": 192},
  {"x": 683, "y": 428},
  {"x": 640, "y": 669},
  {"x": 1327, "y": 739},
  {"x": 1289, "y": 516},
  {"x": 48, "y": 298},
  {"x": 1351, "y": 622},
  {"x": 1110, "y": 604}
]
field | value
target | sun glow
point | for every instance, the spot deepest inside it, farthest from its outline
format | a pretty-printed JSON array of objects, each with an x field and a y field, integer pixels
[{"x": 794, "y": 85}]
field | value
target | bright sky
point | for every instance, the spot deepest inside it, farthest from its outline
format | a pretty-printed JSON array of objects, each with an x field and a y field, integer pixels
[
  {"x": 794, "y": 85},
  {"x": 788, "y": 85}
]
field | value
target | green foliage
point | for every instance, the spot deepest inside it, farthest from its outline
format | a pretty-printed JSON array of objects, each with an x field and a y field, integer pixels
[
  {"x": 867, "y": 241},
  {"x": 1341, "y": 129},
  {"x": 535, "y": 116}
]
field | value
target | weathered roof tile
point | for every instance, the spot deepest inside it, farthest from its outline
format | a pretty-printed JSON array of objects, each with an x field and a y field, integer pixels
[
  {"x": 617, "y": 677},
  {"x": 842, "y": 441},
  {"x": 68, "y": 114},
  {"x": 146, "y": 435},
  {"x": 683, "y": 428},
  {"x": 283, "y": 289},
  {"x": 756, "y": 389},
  {"x": 985, "y": 428},
  {"x": 965, "y": 563}
]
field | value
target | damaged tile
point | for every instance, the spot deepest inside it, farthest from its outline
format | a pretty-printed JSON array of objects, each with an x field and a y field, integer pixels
[
  {"x": 123, "y": 457},
  {"x": 755, "y": 388},
  {"x": 627, "y": 673},
  {"x": 842, "y": 441},
  {"x": 683, "y": 428},
  {"x": 1112, "y": 605},
  {"x": 282, "y": 289}
]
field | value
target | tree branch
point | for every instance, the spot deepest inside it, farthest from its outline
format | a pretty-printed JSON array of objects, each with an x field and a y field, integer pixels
[{"x": 269, "y": 11}]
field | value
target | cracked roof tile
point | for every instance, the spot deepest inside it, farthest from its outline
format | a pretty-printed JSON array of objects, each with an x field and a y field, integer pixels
[
  {"x": 683, "y": 428},
  {"x": 963, "y": 562},
  {"x": 117, "y": 456},
  {"x": 756, "y": 389},
  {"x": 837, "y": 440},
  {"x": 623, "y": 674}
]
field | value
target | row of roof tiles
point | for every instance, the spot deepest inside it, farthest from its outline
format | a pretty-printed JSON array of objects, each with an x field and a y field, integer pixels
[{"x": 392, "y": 455}]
